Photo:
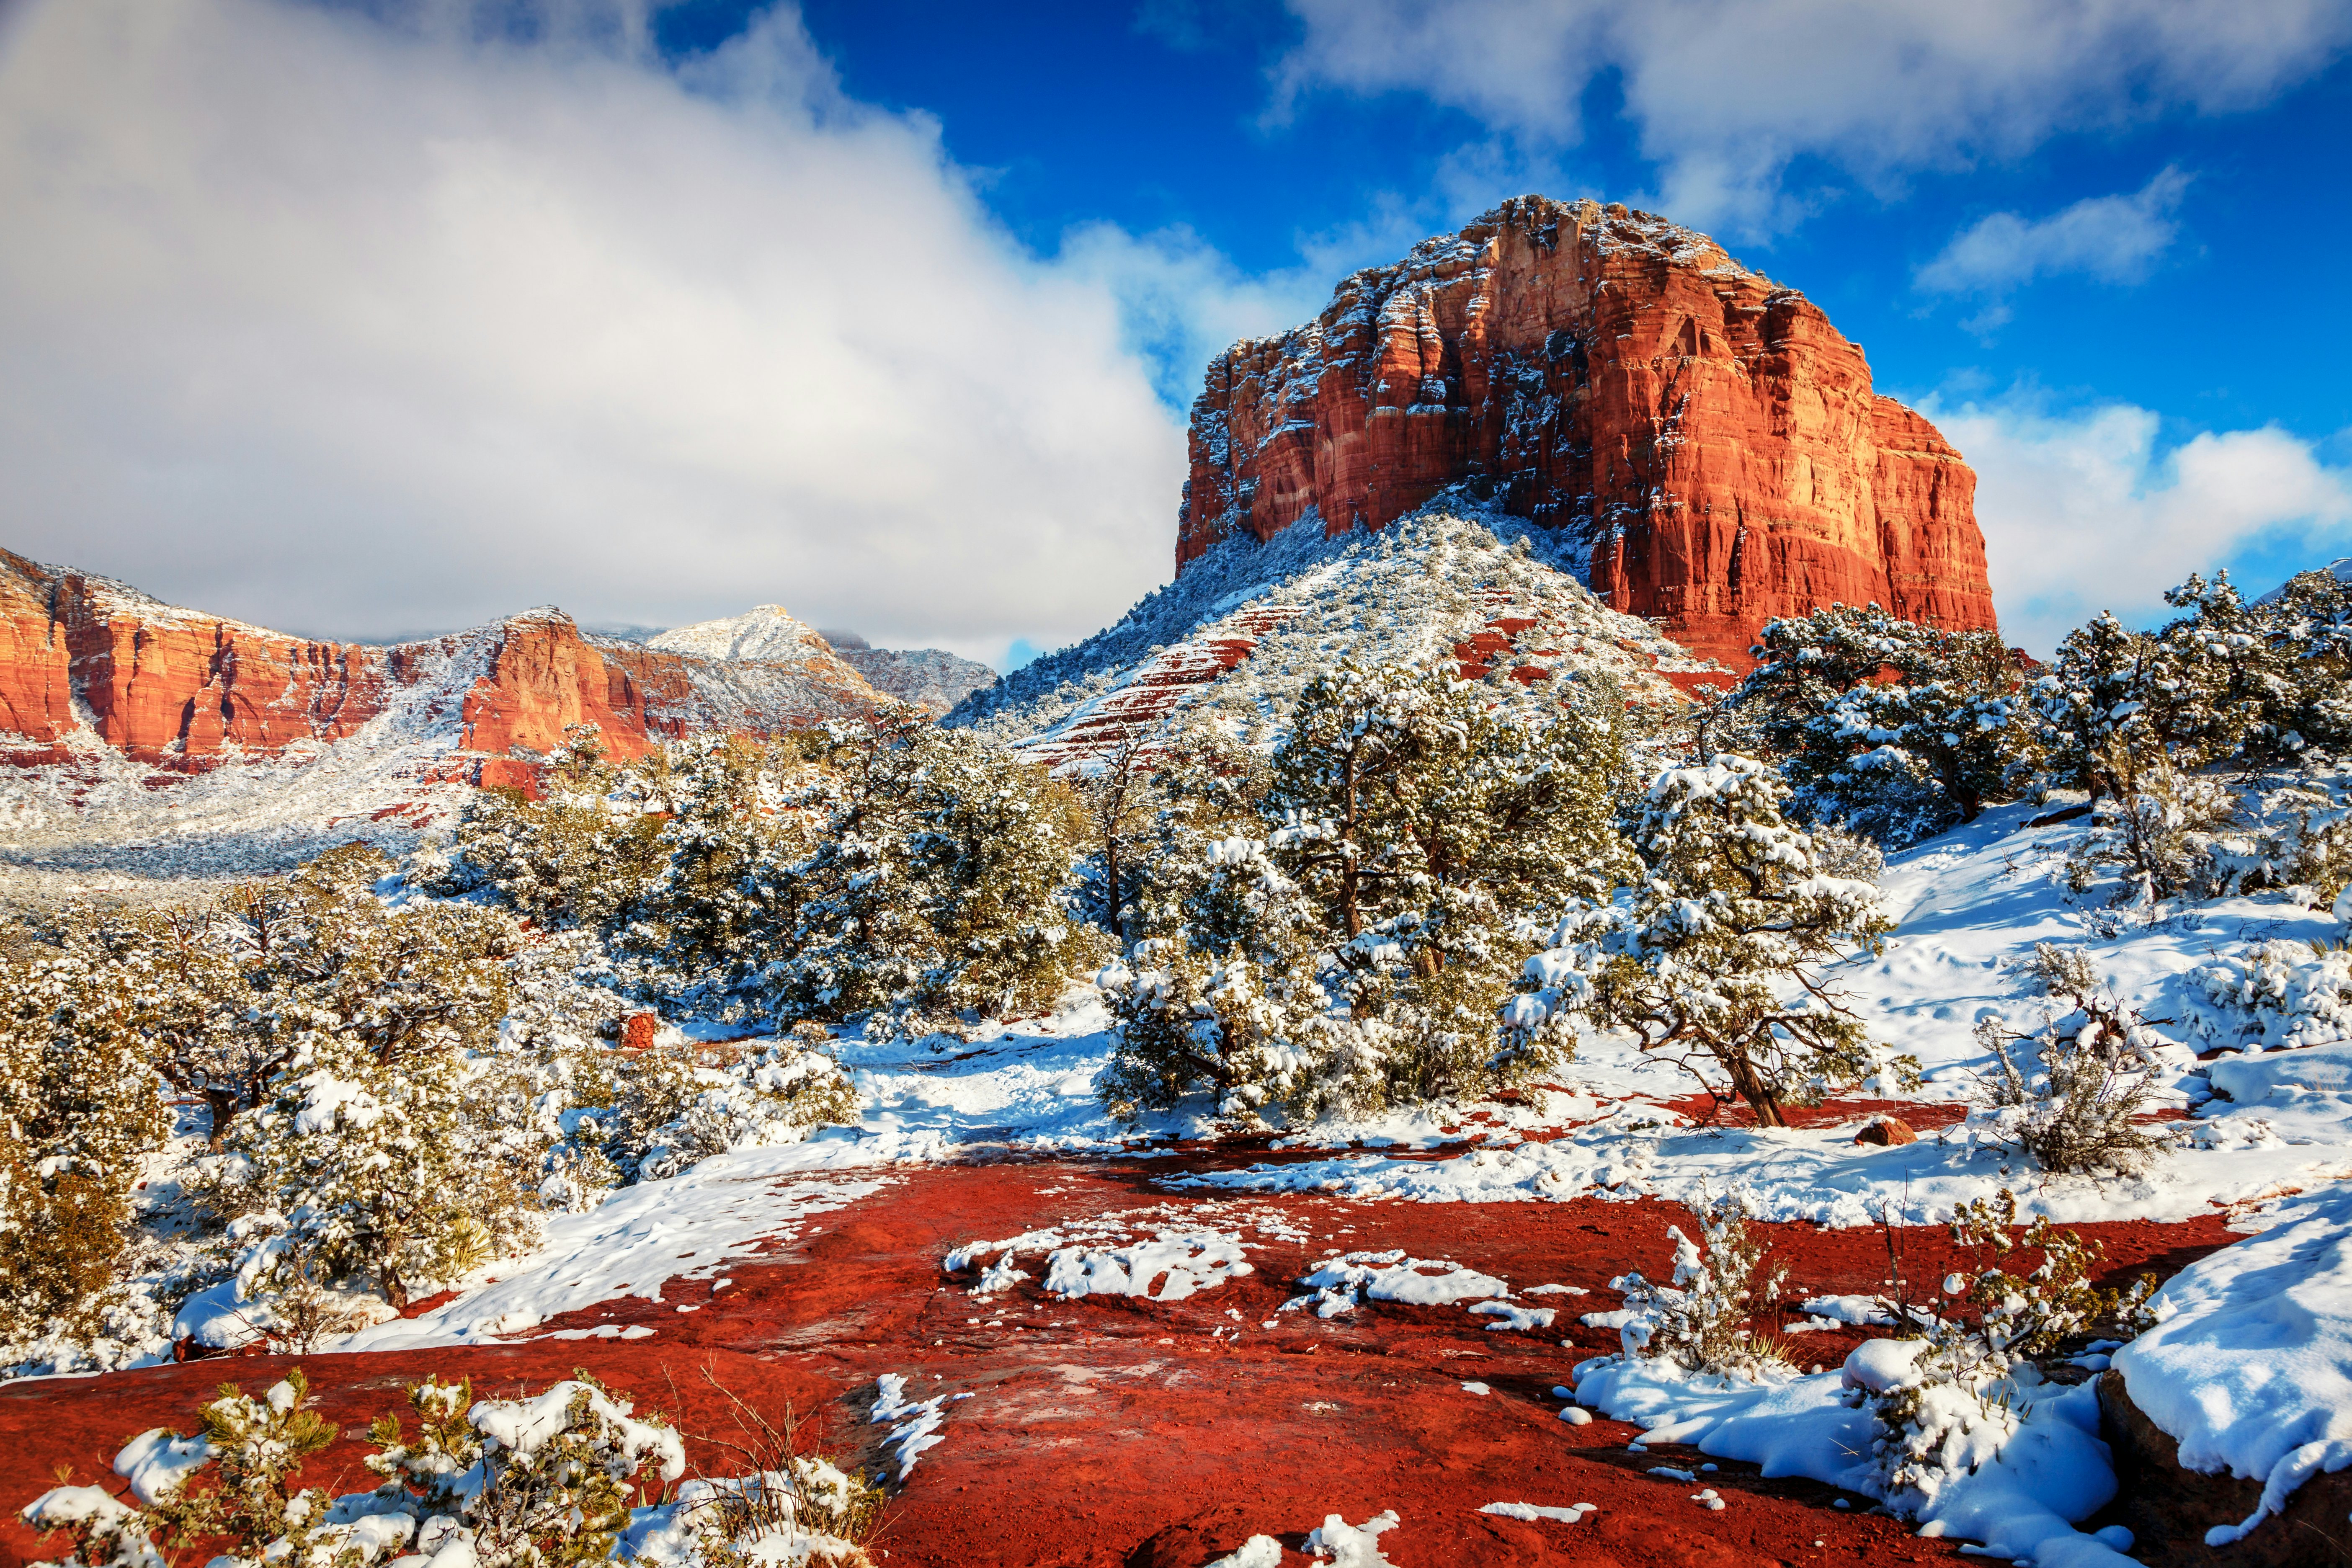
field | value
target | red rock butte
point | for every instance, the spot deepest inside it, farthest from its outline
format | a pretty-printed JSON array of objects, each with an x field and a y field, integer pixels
[{"x": 1605, "y": 372}]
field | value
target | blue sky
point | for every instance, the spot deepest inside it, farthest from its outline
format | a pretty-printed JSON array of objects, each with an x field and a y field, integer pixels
[{"x": 366, "y": 320}]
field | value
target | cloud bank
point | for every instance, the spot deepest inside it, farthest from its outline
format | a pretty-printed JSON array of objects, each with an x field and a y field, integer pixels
[
  {"x": 1726, "y": 95},
  {"x": 366, "y": 328},
  {"x": 2088, "y": 510}
]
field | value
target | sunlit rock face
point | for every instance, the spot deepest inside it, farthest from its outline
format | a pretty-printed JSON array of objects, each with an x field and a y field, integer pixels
[{"x": 1705, "y": 431}]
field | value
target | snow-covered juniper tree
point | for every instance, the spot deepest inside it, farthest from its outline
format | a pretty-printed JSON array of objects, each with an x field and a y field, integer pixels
[
  {"x": 371, "y": 1154},
  {"x": 1381, "y": 861},
  {"x": 1219, "y": 989},
  {"x": 1715, "y": 957},
  {"x": 936, "y": 881},
  {"x": 580, "y": 854},
  {"x": 1897, "y": 728},
  {"x": 78, "y": 1108},
  {"x": 2260, "y": 682}
]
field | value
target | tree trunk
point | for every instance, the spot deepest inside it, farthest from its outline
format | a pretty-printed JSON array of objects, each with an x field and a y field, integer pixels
[
  {"x": 1758, "y": 1095},
  {"x": 220, "y": 1104},
  {"x": 1111, "y": 878}
]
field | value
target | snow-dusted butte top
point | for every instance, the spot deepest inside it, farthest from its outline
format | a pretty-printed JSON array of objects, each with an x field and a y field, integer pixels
[
  {"x": 1706, "y": 443},
  {"x": 767, "y": 633}
]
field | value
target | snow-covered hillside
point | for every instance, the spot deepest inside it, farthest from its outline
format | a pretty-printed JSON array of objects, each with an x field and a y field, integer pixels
[
  {"x": 1251, "y": 624},
  {"x": 932, "y": 679}
]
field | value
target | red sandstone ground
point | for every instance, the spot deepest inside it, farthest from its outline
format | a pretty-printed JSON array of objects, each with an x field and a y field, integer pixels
[{"x": 1119, "y": 1432}]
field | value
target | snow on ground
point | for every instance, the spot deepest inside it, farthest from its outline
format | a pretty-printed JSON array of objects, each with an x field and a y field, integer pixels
[
  {"x": 642, "y": 1237},
  {"x": 2250, "y": 1366},
  {"x": 914, "y": 1425},
  {"x": 1030, "y": 1083},
  {"x": 1178, "y": 1263},
  {"x": 2051, "y": 1473},
  {"x": 1573, "y": 1514}
]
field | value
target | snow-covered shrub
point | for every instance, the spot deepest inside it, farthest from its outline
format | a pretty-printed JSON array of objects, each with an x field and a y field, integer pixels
[
  {"x": 1943, "y": 1401},
  {"x": 2079, "y": 1110},
  {"x": 674, "y": 1105},
  {"x": 79, "y": 1108},
  {"x": 580, "y": 855},
  {"x": 877, "y": 866},
  {"x": 2260, "y": 682},
  {"x": 566, "y": 1477},
  {"x": 1895, "y": 728},
  {"x": 788, "y": 1504},
  {"x": 1700, "y": 959},
  {"x": 388, "y": 1146},
  {"x": 1384, "y": 859},
  {"x": 937, "y": 884},
  {"x": 1700, "y": 1322},
  {"x": 883, "y": 868},
  {"x": 2163, "y": 834},
  {"x": 2271, "y": 996},
  {"x": 1426, "y": 820}
]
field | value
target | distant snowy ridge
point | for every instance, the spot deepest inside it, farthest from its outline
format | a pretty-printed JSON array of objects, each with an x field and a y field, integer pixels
[
  {"x": 1254, "y": 623},
  {"x": 143, "y": 739},
  {"x": 767, "y": 633},
  {"x": 2340, "y": 569},
  {"x": 933, "y": 679}
]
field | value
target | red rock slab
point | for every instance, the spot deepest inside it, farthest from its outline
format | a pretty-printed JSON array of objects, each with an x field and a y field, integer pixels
[{"x": 1110, "y": 1432}]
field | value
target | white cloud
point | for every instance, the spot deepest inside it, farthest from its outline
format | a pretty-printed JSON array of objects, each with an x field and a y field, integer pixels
[
  {"x": 2087, "y": 510},
  {"x": 1728, "y": 93},
  {"x": 366, "y": 329},
  {"x": 2114, "y": 238}
]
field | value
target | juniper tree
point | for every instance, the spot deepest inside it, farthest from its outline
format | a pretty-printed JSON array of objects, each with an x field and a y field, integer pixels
[
  {"x": 936, "y": 880},
  {"x": 79, "y": 1108},
  {"x": 1380, "y": 860},
  {"x": 581, "y": 855},
  {"x": 377, "y": 1143},
  {"x": 1716, "y": 960},
  {"x": 1901, "y": 729}
]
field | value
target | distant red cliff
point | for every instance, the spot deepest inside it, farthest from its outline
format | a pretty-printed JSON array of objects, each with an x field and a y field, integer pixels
[
  {"x": 179, "y": 690},
  {"x": 1705, "y": 431}
]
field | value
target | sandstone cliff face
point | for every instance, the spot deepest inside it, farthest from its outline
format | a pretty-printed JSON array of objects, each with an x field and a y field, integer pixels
[
  {"x": 182, "y": 690},
  {"x": 1705, "y": 431}
]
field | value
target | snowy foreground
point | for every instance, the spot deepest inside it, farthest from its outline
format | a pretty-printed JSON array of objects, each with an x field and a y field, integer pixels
[{"x": 2249, "y": 1367}]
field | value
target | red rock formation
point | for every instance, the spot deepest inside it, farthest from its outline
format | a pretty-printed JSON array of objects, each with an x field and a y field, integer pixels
[
  {"x": 181, "y": 690},
  {"x": 1708, "y": 431}
]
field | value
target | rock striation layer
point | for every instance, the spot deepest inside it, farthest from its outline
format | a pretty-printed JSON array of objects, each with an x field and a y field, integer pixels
[
  {"x": 1705, "y": 431},
  {"x": 82, "y": 656}
]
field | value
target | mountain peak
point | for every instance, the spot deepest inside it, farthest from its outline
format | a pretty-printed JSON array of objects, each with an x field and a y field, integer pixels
[{"x": 769, "y": 634}]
